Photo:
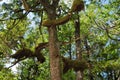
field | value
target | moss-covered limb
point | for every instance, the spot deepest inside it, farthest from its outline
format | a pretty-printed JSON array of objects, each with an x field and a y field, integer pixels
[
  {"x": 63, "y": 20},
  {"x": 27, "y": 53},
  {"x": 40, "y": 57},
  {"x": 22, "y": 53},
  {"x": 38, "y": 53},
  {"x": 41, "y": 46},
  {"x": 66, "y": 64},
  {"x": 80, "y": 65},
  {"x": 74, "y": 64},
  {"x": 48, "y": 23},
  {"x": 77, "y": 5},
  {"x": 58, "y": 21}
]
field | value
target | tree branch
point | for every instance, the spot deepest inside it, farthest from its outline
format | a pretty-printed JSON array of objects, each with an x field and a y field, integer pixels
[
  {"x": 107, "y": 32},
  {"x": 46, "y": 5},
  {"x": 55, "y": 3}
]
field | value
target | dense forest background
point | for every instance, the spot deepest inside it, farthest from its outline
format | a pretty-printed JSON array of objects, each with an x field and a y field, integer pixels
[{"x": 59, "y": 39}]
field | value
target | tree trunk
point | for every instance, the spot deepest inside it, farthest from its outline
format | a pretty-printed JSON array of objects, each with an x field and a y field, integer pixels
[
  {"x": 88, "y": 56},
  {"x": 55, "y": 70},
  {"x": 54, "y": 54},
  {"x": 79, "y": 75}
]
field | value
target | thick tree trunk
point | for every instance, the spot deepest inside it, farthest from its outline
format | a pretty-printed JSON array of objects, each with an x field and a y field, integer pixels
[
  {"x": 79, "y": 75},
  {"x": 55, "y": 69},
  {"x": 54, "y": 54}
]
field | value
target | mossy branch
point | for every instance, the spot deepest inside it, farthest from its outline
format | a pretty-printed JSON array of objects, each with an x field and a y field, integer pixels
[
  {"x": 27, "y": 53},
  {"x": 58, "y": 21},
  {"x": 77, "y": 6},
  {"x": 76, "y": 65},
  {"x": 22, "y": 53}
]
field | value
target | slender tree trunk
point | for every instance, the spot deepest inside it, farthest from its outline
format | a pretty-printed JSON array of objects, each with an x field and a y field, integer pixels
[
  {"x": 79, "y": 75},
  {"x": 88, "y": 56}
]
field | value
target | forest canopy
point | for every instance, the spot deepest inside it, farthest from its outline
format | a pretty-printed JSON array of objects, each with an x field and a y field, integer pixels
[{"x": 59, "y": 39}]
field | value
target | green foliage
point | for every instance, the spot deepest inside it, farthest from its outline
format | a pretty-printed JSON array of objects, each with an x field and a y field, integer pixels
[
  {"x": 69, "y": 75},
  {"x": 31, "y": 69},
  {"x": 6, "y": 74},
  {"x": 99, "y": 25}
]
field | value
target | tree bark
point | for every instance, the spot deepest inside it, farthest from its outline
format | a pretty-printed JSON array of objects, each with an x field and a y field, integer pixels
[
  {"x": 55, "y": 70},
  {"x": 79, "y": 75},
  {"x": 54, "y": 54}
]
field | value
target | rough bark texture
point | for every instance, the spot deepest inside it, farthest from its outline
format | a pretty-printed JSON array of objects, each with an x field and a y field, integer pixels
[
  {"x": 54, "y": 50},
  {"x": 54, "y": 55},
  {"x": 50, "y": 9},
  {"x": 78, "y": 49}
]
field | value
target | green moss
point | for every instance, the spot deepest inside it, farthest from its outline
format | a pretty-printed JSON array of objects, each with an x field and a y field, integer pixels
[
  {"x": 58, "y": 21},
  {"x": 22, "y": 53},
  {"x": 74, "y": 64}
]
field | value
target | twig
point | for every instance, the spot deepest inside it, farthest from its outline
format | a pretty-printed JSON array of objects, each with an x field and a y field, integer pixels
[{"x": 16, "y": 62}]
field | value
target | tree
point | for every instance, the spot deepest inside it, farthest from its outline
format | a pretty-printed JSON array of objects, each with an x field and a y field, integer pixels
[{"x": 29, "y": 27}]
